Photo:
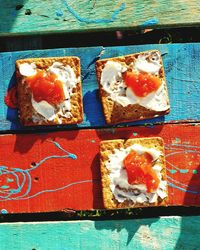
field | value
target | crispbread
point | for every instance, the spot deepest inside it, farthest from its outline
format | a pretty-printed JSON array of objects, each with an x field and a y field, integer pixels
[
  {"x": 114, "y": 112},
  {"x": 107, "y": 148},
  {"x": 26, "y": 110}
]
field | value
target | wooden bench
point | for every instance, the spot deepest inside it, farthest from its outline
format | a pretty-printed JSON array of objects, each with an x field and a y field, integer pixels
[{"x": 59, "y": 196}]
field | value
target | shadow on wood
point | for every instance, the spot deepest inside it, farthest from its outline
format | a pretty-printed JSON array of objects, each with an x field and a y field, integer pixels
[
  {"x": 9, "y": 12},
  {"x": 191, "y": 230},
  {"x": 131, "y": 228}
]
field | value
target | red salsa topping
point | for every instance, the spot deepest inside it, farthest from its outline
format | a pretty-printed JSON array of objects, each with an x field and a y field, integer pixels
[
  {"x": 46, "y": 87},
  {"x": 139, "y": 170},
  {"x": 11, "y": 98},
  {"x": 142, "y": 84}
]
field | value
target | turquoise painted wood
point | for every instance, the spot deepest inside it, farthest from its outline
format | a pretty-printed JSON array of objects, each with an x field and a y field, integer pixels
[
  {"x": 181, "y": 63},
  {"x": 36, "y": 16},
  {"x": 155, "y": 233}
]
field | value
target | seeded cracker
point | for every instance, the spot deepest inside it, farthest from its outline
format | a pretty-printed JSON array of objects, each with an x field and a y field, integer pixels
[
  {"x": 107, "y": 148},
  {"x": 26, "y": 110},
  {"x": 114, "y": 112}
]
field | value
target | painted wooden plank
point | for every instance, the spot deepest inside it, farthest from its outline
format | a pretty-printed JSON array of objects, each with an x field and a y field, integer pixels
[
  {"x": 54, "y": 171},
  {"x": 33, "y": 17},
  {"x": 181, "y": 62},
  {"x": 155, "y": 233}
]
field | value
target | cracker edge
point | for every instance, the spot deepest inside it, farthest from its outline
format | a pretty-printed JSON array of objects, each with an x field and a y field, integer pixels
[
  {"x": 78, "y": 89},
  {"x": 104, "y": 95},
  {"x": 108, "y": 198}
]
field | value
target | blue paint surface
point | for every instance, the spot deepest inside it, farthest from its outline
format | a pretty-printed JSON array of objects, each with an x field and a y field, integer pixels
[
  {"x": 59, "y": 13},
  {"x": 23, "y": 179},
  {"x": 14, "y": 13},
  {"x": 134, "y": 234},
  {"x": 9, "y": 180},
  {"x": 95, "y": 21},
  {"x": 184, "y": 171},
  {"x": 182, "y": 80},
  {"x": 173, "y": 171},
  {"x": 4, "y": 211},
  {"x": 181, "y": 184},
  {"x": 150, "y": 22},
  {"x": 180, "y": 149},
  {"x": 182, "y": 189}
]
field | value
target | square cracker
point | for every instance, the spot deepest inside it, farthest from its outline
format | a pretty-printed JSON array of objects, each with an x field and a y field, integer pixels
[
  {"x": 26, "y": 110},
  {"x": 113, "y": 111},
  {"x": 107, "y": 148}
]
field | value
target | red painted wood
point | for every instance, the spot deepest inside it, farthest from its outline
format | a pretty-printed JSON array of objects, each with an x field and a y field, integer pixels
[{"x": 61, "y": 183}]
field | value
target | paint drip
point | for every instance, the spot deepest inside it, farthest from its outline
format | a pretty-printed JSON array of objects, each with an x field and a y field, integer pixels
[
  {"x": 4, "y": 211},
  {"x": 150, "y": 22},
  {"x": 11, "y": 98},
  {"x": 97, "y": 21},
  {"x": 23, "y": 181}
]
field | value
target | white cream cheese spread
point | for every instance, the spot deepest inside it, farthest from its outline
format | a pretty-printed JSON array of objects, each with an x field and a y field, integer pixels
[
  {"x": 27, "y": 69},
  {"x": 148, "y": 62},
  {"x": 68, "y": 77},
  {"x": 111, "y": 78},
  {"x": 44, "y": 108},
  {"x": 119, "y": 185},
  {"x": 113, "y": 83}
]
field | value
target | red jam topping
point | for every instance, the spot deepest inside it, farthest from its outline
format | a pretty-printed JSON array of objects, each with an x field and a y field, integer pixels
[
  {"x": 142, "y": 84},
  {"x": 46, "y": 87},
  {"x": 11, "y": 98},
  {"x": 139, "y": 170}
]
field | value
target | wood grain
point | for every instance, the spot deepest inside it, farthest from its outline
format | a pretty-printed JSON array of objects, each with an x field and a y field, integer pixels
[
  {"x": 181, "y": 63},
  {"x": 78, "y": 16},
  {"x": 36, "y": 175},
  {"x": 155, "y": 233}
]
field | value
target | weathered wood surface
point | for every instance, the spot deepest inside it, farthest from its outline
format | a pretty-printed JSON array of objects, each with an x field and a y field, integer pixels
[
  {"x": 155, "y": 233},
  {"x": 37, "y": 175},
  {"x": 36, "y": 17},
  {"x": 181, "y": 63}
]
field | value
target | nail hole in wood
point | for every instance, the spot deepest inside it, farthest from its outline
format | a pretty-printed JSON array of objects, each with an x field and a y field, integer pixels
[{"x": 36, "y": 179}]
